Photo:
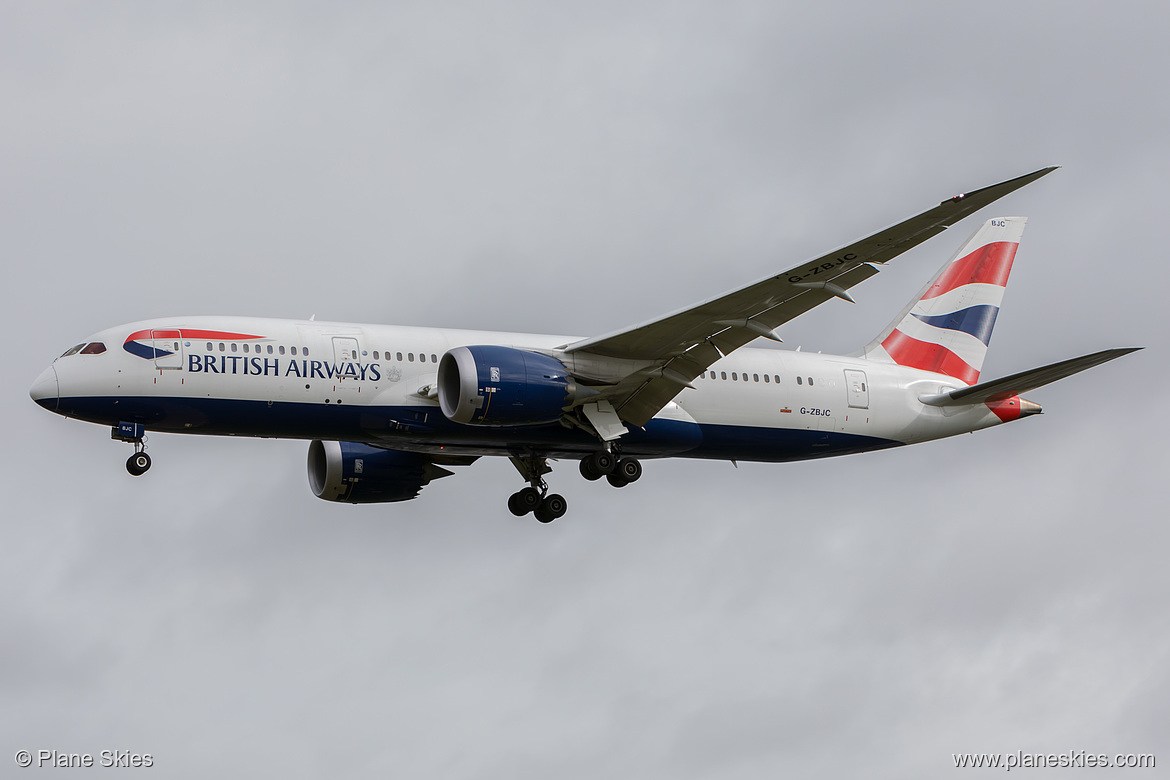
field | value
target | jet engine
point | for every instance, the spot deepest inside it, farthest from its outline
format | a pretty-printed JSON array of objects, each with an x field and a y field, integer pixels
[
  {"x": 358, "y": 474},
  {"x": 497, "y": 386}
]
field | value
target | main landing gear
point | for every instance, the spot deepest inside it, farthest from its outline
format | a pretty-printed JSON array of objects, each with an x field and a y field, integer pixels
[
  {"x": 547, "y": 507},
  {"x": 535, "y": 498},
  {"x": 619, "y": 472},
  {"x": 133, "y": 433}
]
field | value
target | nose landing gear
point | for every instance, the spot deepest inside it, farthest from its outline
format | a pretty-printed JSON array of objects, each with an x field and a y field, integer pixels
[{"x": 133, "y": 433}]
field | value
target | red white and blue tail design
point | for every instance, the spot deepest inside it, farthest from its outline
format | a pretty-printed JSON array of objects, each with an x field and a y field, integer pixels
[{"x": 948, "y": 327}]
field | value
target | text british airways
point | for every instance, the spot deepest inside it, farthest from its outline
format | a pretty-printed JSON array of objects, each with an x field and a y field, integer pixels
[{"x": 305, "y": 369}]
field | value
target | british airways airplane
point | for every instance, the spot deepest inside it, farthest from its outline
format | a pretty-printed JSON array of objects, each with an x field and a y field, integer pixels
[{"x": 387, "y": 408}]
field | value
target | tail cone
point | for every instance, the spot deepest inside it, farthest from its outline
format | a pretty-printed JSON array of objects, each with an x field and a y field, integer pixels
[
  {"x": 1028, "y": 407},
  {"x": 1013, "y": 408}
]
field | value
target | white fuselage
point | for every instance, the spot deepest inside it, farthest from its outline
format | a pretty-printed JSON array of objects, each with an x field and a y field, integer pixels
[{"x": 375, "y": 384}]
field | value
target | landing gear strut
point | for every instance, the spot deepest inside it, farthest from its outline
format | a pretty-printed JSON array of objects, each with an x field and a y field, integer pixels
[
  {"x": 535, "y": 498},
  {"x": 135, "y": 434}
]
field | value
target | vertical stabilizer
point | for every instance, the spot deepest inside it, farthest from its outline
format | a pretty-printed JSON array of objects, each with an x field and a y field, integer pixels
[{"x": 947, "y": 328}]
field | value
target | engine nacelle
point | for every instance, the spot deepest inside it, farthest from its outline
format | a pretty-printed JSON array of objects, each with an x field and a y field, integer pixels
[
  {"x": 358, "y": 474},
  {"x": 487, "y": 385}
]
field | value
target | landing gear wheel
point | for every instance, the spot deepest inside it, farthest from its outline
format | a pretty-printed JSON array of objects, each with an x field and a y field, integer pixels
[
  {"x": 598, "y": 464},
  {"x": 603, "y": 462},
  {"x": 524, "y": 501},
  {"x": 138, "y": 464},
  {"x": 552, "y": 507},
  {"x": 617, "y": 480},
  {"x": 629, "y": 469}
]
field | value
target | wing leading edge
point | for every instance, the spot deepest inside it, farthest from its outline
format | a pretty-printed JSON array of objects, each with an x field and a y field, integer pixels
[{"x": 673, "y": 350}]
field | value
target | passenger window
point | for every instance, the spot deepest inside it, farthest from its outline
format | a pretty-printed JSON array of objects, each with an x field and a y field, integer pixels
[
  {"x": 210, "y": 346},
  {"x": 745, "y": 376},
  {"x": 292, "y": 350},
  {"x": 222, "y": 347},
  {"x": 234, "y": 346},
  {"x": 755, "y": 377},
  {"x": 799, "y": 381},
  {"x": 280, "y": 349},
  {"x": 765, "y": 379},
  {"x": 410, "y": 357},
  {"x": 269, "y": 349},
  {"x": 434, "y": 358},
  {"x": 723, "y": 374},
  {"x": 245, "y": 347},
  {"x": 96, "y": 348},
  {"x": 777, "y": 377},
  {"x": 305, "y": 351},
  {"x": 810, "y": 382},
  {"x": 375, "y": 354},
  {"x": 400, "y": 357},
  {"x": 734, "y": 378}
]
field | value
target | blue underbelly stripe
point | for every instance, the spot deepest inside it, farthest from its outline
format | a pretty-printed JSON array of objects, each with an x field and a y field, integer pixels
[{"x": 420, "y": 425}]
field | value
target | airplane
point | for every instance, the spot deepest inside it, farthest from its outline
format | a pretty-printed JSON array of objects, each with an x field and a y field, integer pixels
[{"x": 387, "y": 409}]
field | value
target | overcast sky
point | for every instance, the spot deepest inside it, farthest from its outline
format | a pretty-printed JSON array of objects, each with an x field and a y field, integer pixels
[{"x": 573, "y": 168}]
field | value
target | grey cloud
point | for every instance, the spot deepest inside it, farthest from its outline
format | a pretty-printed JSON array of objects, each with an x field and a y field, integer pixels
[{"x": 573, "y": 170}]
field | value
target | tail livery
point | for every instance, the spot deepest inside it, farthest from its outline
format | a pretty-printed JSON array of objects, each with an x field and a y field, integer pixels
[{"x": 947, "y": 329}]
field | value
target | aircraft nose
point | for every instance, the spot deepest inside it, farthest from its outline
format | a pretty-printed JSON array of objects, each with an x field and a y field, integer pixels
[{"x": 44, "y": 389}]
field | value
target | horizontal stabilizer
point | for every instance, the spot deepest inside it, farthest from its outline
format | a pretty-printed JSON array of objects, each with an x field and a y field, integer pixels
[{"x": 1023, "y": 382}]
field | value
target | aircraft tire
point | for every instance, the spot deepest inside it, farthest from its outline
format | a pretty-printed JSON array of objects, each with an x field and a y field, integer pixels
[
  {"x": 588, "y": 471},
  {"x": 601, "y": 463},
  {"x": 528, "y": 499},
  {"x": 617, "y": 480},
  {"x": 630, "y": 469},
  {"x": 515, "y": 507},
  {"x": 552, "y": 507},
  {"x": 138, "y": 464}
]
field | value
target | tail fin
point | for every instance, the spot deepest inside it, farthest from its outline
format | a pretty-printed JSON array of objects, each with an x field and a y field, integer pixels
[{"x": 947, "y": 328}]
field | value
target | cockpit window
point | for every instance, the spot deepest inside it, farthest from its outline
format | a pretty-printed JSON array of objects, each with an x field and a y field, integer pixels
[
  {"x": 72, "y": 350},
  {"x": 94, "y": 348}
]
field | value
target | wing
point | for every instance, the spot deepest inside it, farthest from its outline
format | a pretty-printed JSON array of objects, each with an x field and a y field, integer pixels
[{"x": 672, "y": 350}]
